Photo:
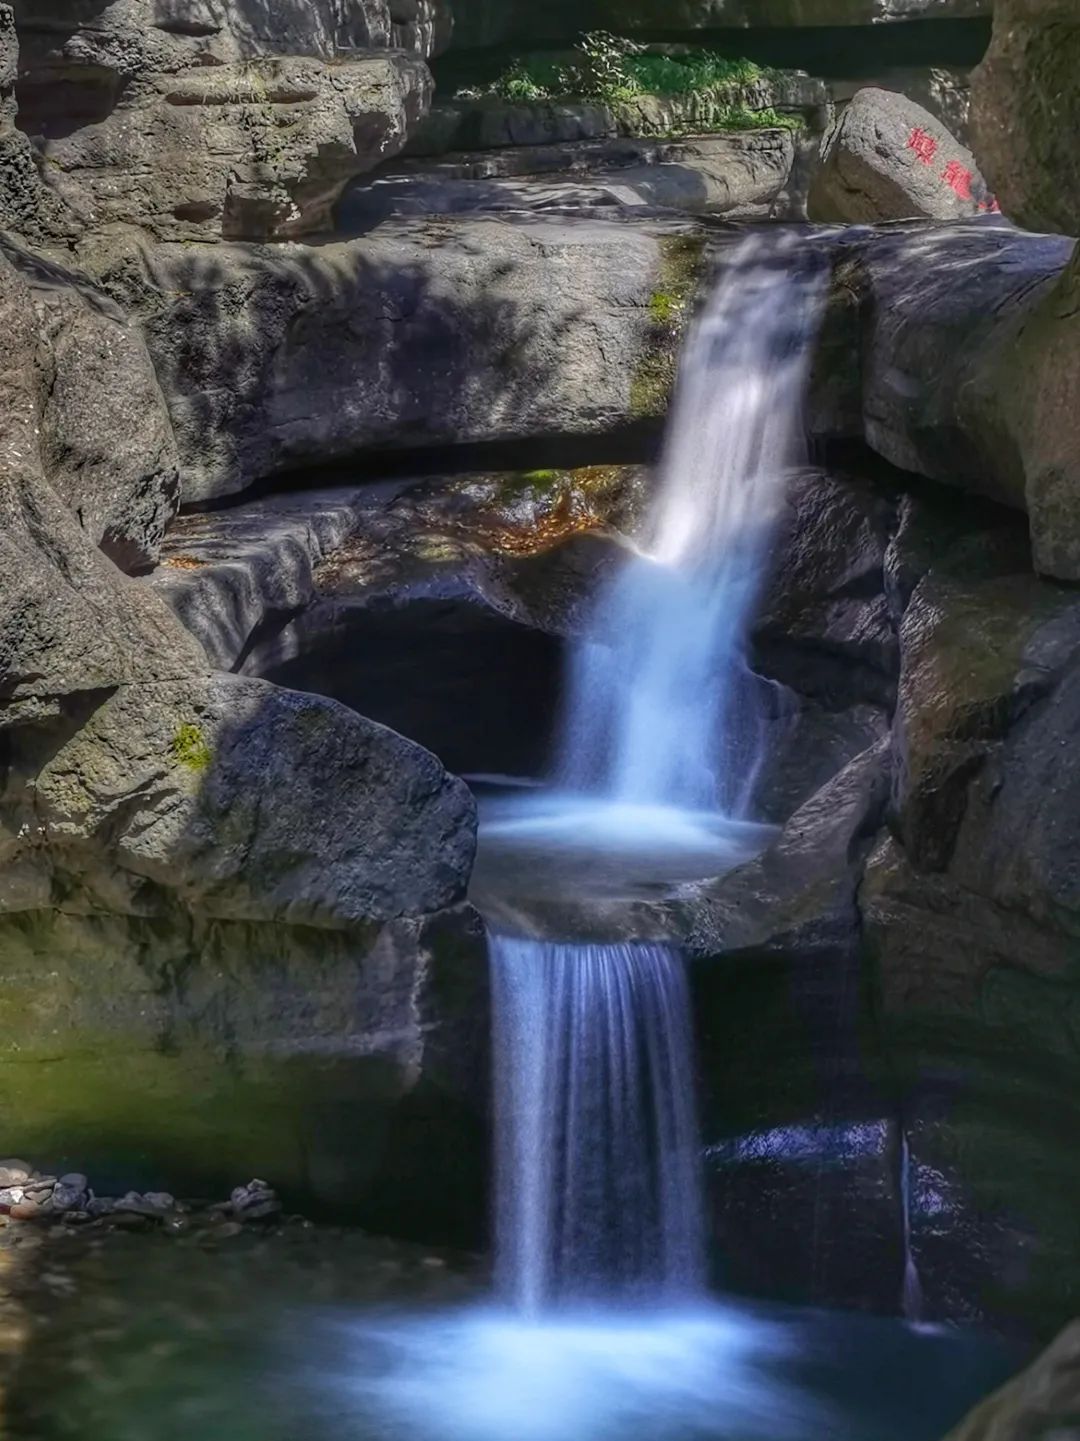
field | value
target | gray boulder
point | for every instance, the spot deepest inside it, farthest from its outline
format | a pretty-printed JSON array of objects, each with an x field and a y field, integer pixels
[{"x": 887, "y": 158}]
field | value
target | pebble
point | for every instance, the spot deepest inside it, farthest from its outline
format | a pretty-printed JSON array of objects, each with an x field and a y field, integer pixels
[
  {"x": 27, "y": 1211},
  {"x": 70, "y": 1193},
  {"x": 70, "y": 1200}
]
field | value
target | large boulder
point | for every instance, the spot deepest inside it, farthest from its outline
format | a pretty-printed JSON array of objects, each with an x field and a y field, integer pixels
[
  {"x": 426, "y": 332},
  {"x": 887, "y": 158},
  {"x": 217, "y": 122},
  {"x": 1026, "y": 112},
  {"x": 968, "y": 366},
  {"x": 970, "y": 918},
  {"x": 210, "y": 887}
]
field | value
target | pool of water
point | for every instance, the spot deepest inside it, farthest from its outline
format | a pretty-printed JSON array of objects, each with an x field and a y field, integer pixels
[
  {"x": 316, "y": 1335},
  {"x": 538, "y": 843}
]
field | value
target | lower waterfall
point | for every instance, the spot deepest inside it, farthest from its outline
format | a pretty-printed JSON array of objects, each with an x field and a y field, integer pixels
[{"x": 597, "y": 1165}]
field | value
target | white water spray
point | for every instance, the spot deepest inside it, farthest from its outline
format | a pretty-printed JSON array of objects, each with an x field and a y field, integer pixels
[{"x": 663, "y": 708}]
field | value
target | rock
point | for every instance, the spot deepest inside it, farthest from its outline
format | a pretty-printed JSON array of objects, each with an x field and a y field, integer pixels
[
  {"x": 748, "y": 174},
  {"x": 222, "y": 125},
  {"x": 1026, "y": 112},
  {"x": 479, "y": 23},
  {"x": 1041, "y": 1402},
  {"x": 28, "y": 1211},
  {"x": 825, "y": 627},
  {"x": 70, "y": 1193},
  {"x": 492, "y": 123},
  {"x": 801, "y": 891},
  {"x": 29, "y": 208},
  {"x": 255, "y": 1202},
  {"x": 101, "y": 432},
  {"x": 13, "y": 1172},
  {"x": 943, "y": 90},
  {"x": 970, "y": 916},
  {"x": 969, "y": 366},
  {"x": 887, "y": 158},
  {"x": 151, "y": 812},
  {"x": 270, "y": 362}
]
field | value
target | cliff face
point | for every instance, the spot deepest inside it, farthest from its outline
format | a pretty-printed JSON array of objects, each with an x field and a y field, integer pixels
[{"x": 218, "y": 119}]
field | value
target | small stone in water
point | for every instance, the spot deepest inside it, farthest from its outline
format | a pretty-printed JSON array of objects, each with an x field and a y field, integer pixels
[
  {"x": 13, "y": 1172},
  {"x": 70, "y": 1193},
  {"x": 27, "y": 1211}
]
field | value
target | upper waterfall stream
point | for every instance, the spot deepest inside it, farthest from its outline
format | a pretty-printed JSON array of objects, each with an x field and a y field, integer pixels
[{"x": 663, "y": 708}]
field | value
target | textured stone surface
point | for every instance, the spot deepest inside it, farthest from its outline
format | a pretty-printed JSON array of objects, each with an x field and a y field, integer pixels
[
  {"x": 1026, "y": 112},
  {"x": 101, "y": 432},
  {"x": 28, "y": 207},
  {"x": 485, "y": 22},
  {"x": 231, "y": 119},
  {"x": 209, "y": 887},
  {"x": 751, "y": 174},
  {"x": 889, "y": 159},
  {"x": 1042, "y": 1402},
  {"x": 425, "y": 332},
  {"x": 969, "y": 367},
  {"x": 490, "y": 123}
]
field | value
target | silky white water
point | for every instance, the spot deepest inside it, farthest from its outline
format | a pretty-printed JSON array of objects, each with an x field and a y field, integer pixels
[
  {"x": 663, "y": 708},
  {"x": 597, "y": 1158}
]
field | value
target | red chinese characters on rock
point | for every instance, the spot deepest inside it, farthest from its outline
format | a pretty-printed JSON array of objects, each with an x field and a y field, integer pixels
[
  {"x": 955, "y": 175},
  {"x": 924, "y": 145}
]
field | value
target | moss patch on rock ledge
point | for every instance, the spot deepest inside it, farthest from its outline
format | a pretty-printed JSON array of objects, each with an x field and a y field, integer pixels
[
  {"x": 190, "y": 748},
  {"x": 682, "y": 268}
]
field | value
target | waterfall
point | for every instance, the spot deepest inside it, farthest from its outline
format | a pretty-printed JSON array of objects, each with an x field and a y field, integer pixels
[
  {"x": 911, "y": 1297},
  {"x": 597, "y": 1160},
  {"x": 663, "y": 708}
]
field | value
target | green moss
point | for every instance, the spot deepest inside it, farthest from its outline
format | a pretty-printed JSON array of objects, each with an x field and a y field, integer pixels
[
  {"x": 708, "y": 91},
  {"x": 189, "y": 747},
  {"x": 681, "y": 265}
]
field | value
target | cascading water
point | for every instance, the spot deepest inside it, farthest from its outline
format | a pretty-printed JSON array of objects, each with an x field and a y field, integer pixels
[
  {"x": 663, "y": 709},
  {"x": 597, "y": 1156},
  {"x": 911, "y": 1296}
]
